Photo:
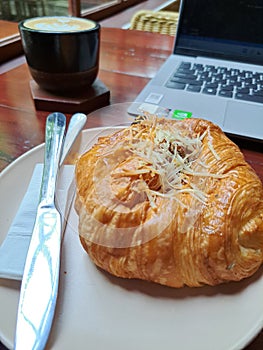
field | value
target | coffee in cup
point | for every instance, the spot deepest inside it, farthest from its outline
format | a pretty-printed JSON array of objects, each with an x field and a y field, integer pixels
[{"x": 62, "y": 52}]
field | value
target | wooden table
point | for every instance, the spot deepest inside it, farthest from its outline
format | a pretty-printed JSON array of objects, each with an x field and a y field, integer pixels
[{"x": 128, "y": 60}]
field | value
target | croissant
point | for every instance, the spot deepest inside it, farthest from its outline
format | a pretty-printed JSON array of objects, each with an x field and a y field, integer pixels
[{"x": 172, "y": 202}]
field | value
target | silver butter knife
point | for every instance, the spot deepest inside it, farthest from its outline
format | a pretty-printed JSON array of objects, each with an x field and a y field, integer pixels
[{"x": 39, "y": 286}]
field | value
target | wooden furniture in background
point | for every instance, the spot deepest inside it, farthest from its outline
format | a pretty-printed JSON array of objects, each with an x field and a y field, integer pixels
[
  {"x": 100, "y": 9},
  {"x": 163, "y": 22},
  {"x": 74, "y": 7},
  {"x": 117, "y": 12},
  {"x": 10, "y": 43}
]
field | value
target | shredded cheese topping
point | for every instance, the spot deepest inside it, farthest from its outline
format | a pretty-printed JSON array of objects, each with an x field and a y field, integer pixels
[{"x": 165, "y": 153}]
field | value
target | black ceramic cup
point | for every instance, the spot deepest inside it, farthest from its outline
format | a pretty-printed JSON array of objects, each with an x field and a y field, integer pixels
[{"x": 62, "y": 52}]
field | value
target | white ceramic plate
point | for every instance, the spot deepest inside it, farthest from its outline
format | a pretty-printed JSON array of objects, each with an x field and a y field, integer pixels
[{"x": 97, "y": 311}]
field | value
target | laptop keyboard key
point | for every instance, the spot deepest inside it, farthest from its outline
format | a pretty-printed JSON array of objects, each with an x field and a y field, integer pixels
[
  {"x": 185, "y": 65},
  {"x": 227, "y": 87},
  {"x": 175, "y": 85},
  {"x": 253, "y": 86},
  {"x": 218, "y": 76},
  {"x": 196, "y": 82},
  {"x": 210, "y": 68},
  {"x": 243, "y": 90},
  {"x": 225, "y": 93},
  {"x": 235, "y": 71},
  {"x": 206, "y": 79},
  {"x": 238, "y": 84},
  {"x": 186, "y": 76},
  {"x": 204, "y": 75},
  {"x": 248, "y": 73},
  {"x": 257, "y": 93},
  {"x": 209, "y": 91},
  {"x": 184, "y": 71},
  {"x": 222, "y": 70},
  {"x": 211, "y": 85},
  {"x": 233, "y": 80},
  {"x": 186, "y": 81},
  {"x": 248, "y": 80},
  {"x": 198, "y": 66},
  {"x": 194, "y": 88},
  {"x": 220, "y": 81},
  {"x": 247, "y": 97}
]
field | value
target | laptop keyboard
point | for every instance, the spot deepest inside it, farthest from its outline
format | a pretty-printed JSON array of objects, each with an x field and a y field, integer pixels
[{"x": 217, "y": 80}]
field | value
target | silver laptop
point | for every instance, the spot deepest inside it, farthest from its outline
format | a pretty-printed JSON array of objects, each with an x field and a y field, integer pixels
[{"x": 216, "y": 69}]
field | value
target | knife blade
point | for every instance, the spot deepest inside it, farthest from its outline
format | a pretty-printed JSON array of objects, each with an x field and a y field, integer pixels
[
  {"x": 76, "y": 124},
  {"x": 39, "y": 286}
]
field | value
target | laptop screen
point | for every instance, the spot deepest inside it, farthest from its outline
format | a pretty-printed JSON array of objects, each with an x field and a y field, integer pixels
[{"x": 224, "y": 29}]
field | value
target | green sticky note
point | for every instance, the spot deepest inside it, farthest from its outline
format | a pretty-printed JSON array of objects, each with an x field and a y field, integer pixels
[{"x": 179, "y": 114}]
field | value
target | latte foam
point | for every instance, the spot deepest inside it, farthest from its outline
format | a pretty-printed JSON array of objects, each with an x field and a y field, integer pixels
[{"x": 59, "y": 24}]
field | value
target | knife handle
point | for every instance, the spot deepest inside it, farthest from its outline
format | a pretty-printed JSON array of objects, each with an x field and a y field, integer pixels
[{"x": 55, "y": 129}]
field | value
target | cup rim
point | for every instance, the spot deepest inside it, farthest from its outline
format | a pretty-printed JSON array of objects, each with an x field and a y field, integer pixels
[{"x": 22, "y": 26}]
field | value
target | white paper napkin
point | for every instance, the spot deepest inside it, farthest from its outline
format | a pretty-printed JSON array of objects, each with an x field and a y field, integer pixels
[{"x": 13, "y": 250}]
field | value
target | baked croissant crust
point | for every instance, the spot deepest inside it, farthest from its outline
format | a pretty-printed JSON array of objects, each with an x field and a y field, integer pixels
[{"x": 173, "y": 202}]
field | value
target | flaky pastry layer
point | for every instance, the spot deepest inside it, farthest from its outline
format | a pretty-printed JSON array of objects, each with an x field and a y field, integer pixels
[{"x": 173, "y": 202}]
